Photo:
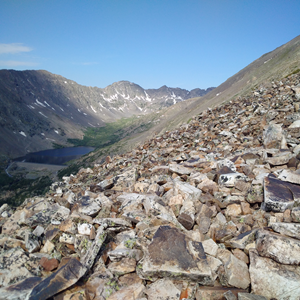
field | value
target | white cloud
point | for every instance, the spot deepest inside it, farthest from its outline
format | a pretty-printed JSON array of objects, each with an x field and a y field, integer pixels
[
  {"x": 14, "y": 63},
  {"x": 14, "y": 48}
]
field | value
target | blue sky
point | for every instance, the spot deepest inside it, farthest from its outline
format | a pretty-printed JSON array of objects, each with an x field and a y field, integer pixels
[{"x": 178, "y": 43}]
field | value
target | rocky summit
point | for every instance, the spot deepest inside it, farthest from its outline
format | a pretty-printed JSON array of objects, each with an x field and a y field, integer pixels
[{"x": 208, "y": 211}]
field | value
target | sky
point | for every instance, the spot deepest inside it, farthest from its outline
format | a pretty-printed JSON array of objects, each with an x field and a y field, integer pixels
[{"x": 179, "y": 43}]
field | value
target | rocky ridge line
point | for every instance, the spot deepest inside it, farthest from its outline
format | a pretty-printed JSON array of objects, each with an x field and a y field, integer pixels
[{"x": 208, "y": 211}]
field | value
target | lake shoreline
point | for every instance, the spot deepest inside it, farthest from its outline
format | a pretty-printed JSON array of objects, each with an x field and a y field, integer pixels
[{"x": 55, "y": 156}]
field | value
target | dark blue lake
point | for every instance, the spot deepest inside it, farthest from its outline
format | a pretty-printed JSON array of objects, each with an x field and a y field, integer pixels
[{"x": 55, "y": 156}]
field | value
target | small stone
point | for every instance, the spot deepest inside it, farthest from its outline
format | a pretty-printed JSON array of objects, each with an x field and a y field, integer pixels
[
  {"x": 215, "y": 292},
  {"x": 229, "y": 179},
  {"x": 162, "y": 289},
  {"x": 124, "y": 266},
  {"x": 279, "y": 160},
  {"x": 210, "y": 247},
  {"x": 90, "y": 255},
  {"x": 287, "y": 216},
  {"x": 85, "y": 228},
  {"x": 38, "y": 231},
  {"x": 241, "y": 255},
  {"x": 226, "y": 163},
  {"x": 86, "y": 206},
  {"x": 295, "y": 214},
  {"x": 180, "y": 170},
  {"x": 49, "y": 264},
  {"x": 119, "y": 253},
  {"x": 68, "y": 226},
  {"x": 48, "y": 247},
  {"x": 188, "y": 191},
  {"x": 132, "y": 292},
  {"x": 295, "y": 124},
  {"x": 233, "y": 210},
  {"x": 60, "y": 215},
  {"x": 247, "y": 296},
  {"x": 272, "y": 136},
  {"x": 106, "y": 184},
  {"x": 237, "y": 273},
  {"x": 220, "y": 218},
  {"x": 246, "y": 210},
  {"x": 186, "y": 220},
  {"x": 67, "y": 238},
  {"x": 229, "y": 296},
  {"x": 31, "y": 242},
  {"x": 204, "y": 224},
  {"x": 178, "y": 199},
  {"x": 126, "y": 180},
  {"x": 242, "y": 240}
]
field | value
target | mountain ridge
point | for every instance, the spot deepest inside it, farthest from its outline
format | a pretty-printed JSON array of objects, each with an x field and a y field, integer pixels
[{"x": 46, "y": 108}]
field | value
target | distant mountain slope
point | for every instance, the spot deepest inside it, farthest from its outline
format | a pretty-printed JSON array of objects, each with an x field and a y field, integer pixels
[
  {"x": 275, "y": 65},
  {"x": 38, "y": 108}
]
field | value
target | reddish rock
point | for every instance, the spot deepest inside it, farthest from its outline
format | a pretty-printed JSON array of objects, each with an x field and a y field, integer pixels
[{"x": 49, "y": 264}]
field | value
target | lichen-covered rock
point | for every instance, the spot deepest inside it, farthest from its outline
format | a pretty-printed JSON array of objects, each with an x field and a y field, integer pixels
[
  {"x": 87, "y": 260},
  {"x": 163, "y": 289},
  {"x": 272, "y": 279},
  {"x": 230, "y": 179},
  {"x": 131, "y": 292},
  {"x": 172, "y": 254},
  {"x": 87, "y": 206},
  {"x": 19, "y": 290},
  {"x": 289, "y": 229},
  {"x": 272, "y": 136},
  {"x": 277, "y": 195},
  {"x": 16, "y": 266},
  {"x": 282, "y": 249}
]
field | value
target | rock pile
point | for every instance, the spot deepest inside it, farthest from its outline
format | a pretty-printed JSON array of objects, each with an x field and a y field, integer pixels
[{"x": 208, "y": 211}]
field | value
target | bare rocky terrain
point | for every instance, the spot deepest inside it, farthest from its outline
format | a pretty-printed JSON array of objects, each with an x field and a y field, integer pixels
[{"x": 209, "y": 210}]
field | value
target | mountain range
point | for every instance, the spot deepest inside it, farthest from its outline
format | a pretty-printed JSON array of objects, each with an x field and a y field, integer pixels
[{"x": 38, "y": 108}]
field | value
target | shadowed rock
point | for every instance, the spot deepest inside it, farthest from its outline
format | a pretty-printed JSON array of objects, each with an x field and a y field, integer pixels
[
  {"x": 173, "y": 254},
  {"x": 277, "y": 195},
  {"x": 58, "y": 281},
  {"x": 19, "y": 290}
]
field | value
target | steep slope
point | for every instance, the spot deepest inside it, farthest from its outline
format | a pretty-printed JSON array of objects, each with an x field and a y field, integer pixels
[
  {"x": 275, "y": 65},
  {"x": 38, "y": 108}
]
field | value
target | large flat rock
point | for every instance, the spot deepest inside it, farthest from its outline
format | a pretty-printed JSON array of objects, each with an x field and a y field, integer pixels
[
  {"x": 281, "y": 248},
  {"x": 172, "y": 254},
  {"x": 273, "y": 280},
  {"x": 289, "y": 229},
  {"x": 277, "y": 194},
  {"x": 58, "y": 281}
]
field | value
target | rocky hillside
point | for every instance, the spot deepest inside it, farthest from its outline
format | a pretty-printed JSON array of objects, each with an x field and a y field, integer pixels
[
  {"x": 272, "y": 66},
  {"x": 207, "y": 211},
  {"x": 38, "y": 108}
]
